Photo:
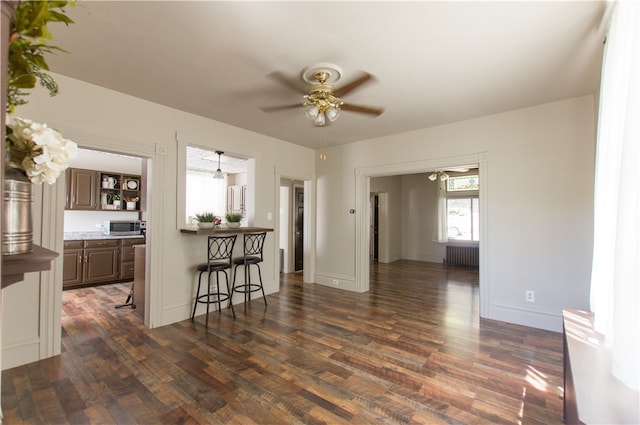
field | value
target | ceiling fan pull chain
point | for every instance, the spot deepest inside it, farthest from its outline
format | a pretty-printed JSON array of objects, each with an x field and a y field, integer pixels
[{"x": 322, "y": 155}]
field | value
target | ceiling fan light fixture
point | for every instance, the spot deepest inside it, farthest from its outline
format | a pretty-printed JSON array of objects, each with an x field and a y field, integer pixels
[
  {"x": 313, "y": 112},
  {"x": 434, "y": 176},
  {"x": 319, "y": 120},
  {"x": 332, "y": 114}
]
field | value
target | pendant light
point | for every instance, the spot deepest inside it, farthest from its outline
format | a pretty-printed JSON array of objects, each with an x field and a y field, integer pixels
[{"x": 218, "y": 174}]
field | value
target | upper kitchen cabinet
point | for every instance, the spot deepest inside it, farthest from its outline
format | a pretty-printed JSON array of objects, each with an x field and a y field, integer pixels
[
  {"x": 101, "y": 190},
  {"x": 236, "y": 196},
  {"x": 82, "y": 189}
]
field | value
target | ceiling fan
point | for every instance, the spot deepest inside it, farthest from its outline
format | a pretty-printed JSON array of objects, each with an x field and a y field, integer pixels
[
  {"x": 443, "y": 173},
  {"x": 322, "y": 100}
]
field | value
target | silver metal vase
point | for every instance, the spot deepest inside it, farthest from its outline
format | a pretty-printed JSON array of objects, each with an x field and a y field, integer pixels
[{"x": 17, "y": 219}]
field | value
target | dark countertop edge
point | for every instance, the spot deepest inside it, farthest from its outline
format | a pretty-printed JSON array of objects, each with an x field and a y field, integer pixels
[{"x": 224, "y": 230}]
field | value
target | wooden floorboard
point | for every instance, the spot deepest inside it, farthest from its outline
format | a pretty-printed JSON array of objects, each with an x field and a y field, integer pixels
[{"x": 412, "y": 350}]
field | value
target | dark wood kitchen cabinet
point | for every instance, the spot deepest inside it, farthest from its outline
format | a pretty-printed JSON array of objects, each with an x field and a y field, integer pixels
[
  {"x": 82, "y": 189},
  {"x": 72, "y": 263},
  {"x": 102, "y": 191},
  {"x": 127, "y": 256},
  {"x": 98, "y": 261}
]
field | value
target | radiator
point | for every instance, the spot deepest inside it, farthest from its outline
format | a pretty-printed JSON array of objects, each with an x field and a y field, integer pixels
[{"x": 465, "y": 256}]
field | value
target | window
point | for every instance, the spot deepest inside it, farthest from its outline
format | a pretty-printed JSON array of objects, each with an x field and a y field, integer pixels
[
  {"x": 463, "y": 219},
  {"x": 463, "y": 208},
  {"x": 203, "y": 192},
  {"x": 463, "y": 183}
]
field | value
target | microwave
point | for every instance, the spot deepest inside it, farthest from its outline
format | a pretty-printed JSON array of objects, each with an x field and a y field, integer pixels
[{"x": 121, "y": 227}]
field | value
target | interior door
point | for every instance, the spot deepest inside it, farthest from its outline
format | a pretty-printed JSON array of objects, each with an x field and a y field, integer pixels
[
  {"x": 298, "y": 229},
  {"x": 374, "y": 247}
]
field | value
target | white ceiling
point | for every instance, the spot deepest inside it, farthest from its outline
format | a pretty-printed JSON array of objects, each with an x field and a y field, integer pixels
[{"x": 435, "y": 62}]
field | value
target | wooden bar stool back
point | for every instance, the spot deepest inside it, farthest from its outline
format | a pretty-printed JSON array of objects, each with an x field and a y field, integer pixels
[
  {"x": 253, "y": 245},
  {"x": 219, "y": 257}
]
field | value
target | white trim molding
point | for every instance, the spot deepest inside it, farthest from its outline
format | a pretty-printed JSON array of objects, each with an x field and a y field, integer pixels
[{"x": 362, "y": 180}]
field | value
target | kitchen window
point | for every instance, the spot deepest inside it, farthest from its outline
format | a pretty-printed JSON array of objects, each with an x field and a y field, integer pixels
[{"x": 204, "y": 192}]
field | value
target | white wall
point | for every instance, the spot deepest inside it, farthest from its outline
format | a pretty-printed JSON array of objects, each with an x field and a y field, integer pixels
[
  {"x": 98, "y": 118},
  {"x": 107, "y": 161},
  {"x": 92, "y": 221},
  {"x": 392, "y": 237},
  {"x": 419, "y": 198},
  {"x": 539, "y": 224}
]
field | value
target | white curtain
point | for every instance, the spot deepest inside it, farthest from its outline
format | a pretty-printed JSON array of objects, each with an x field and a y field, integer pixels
[
  {"x": 615, "y": 296},
  {"x": 205, "y": 194},
  {"x": 441, "y": 230}
]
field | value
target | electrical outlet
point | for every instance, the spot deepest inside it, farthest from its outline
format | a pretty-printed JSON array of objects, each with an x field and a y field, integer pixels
[
  {"x": 335, "y": 282},
  {"x": 530, "y": 296}
]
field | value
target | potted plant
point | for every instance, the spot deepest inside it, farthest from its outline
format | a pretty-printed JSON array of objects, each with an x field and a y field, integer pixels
[
  {"x": 132, "y": 202},
  {"x": 207, "y": 220},
  {"x": 116, "y": 201},
  {"x": 233, "y": 219}
]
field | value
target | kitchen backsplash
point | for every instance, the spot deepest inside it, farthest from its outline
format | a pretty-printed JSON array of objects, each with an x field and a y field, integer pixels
[{"x": 90, "y": 221}]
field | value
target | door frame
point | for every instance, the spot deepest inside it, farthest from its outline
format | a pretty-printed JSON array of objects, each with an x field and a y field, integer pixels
[
  {"x": 362, "y": 194},
  {"x": 54, "y": 197},
  {"x": 309, "y": 242}
]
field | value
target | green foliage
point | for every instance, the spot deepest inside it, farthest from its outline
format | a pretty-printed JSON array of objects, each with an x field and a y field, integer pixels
[
  {"x": 28, "y": 45},
  {"x": 233, "y": 217},
  {"x": 205, "y": 217}
]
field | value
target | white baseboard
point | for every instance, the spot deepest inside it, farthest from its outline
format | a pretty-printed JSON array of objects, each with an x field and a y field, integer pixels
[
  {"x": 20, "y": 353},
  {"x": 540, "y": 319},
  {"x": 180, "y": 312},
  {"x": 348, "y": 283}
]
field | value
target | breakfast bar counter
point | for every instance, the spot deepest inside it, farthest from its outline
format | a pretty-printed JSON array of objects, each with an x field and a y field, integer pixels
[{"x": 224, "y": 230}]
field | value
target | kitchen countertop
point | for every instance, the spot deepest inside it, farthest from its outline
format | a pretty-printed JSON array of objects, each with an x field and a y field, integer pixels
[
  {"x": 79, "y": 236},
  {"x": 224, "y": 230}
]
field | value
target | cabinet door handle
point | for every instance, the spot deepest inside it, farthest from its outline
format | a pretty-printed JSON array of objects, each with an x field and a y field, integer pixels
[
  {"x": 86, "y": 258},
  {"x": 79, "y": 258}
]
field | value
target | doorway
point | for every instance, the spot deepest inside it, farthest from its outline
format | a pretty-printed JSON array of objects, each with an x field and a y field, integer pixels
[
  {"x": 49, "y": 336},
  {"x": 297, "y": 233},
  {"x": 108, "y": 260},
  {"x": 298, "y": 225},
  {"x": 375, "y": 232},
  {"x": 363, "y": 207}
]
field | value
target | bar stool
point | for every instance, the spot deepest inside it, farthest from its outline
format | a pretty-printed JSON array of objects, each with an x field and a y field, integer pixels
[
  {"x": 253, "y": 243},
  {"x": 219, "y": 254}
]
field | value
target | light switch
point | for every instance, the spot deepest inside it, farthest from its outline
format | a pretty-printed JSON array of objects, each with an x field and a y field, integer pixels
[{"x": 269, "y": 216}]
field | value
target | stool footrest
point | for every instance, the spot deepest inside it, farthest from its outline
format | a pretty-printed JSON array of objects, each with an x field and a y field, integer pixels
[
  {"x": 243, "y": 289},
  {"x": 219, "y": 297}
]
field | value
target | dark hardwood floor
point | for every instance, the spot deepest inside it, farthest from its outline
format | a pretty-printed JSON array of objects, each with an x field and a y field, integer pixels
[{"x": 410, "y": 351}]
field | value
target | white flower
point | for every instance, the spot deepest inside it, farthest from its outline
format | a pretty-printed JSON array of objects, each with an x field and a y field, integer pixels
[{"x": 43, "y": 153}]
